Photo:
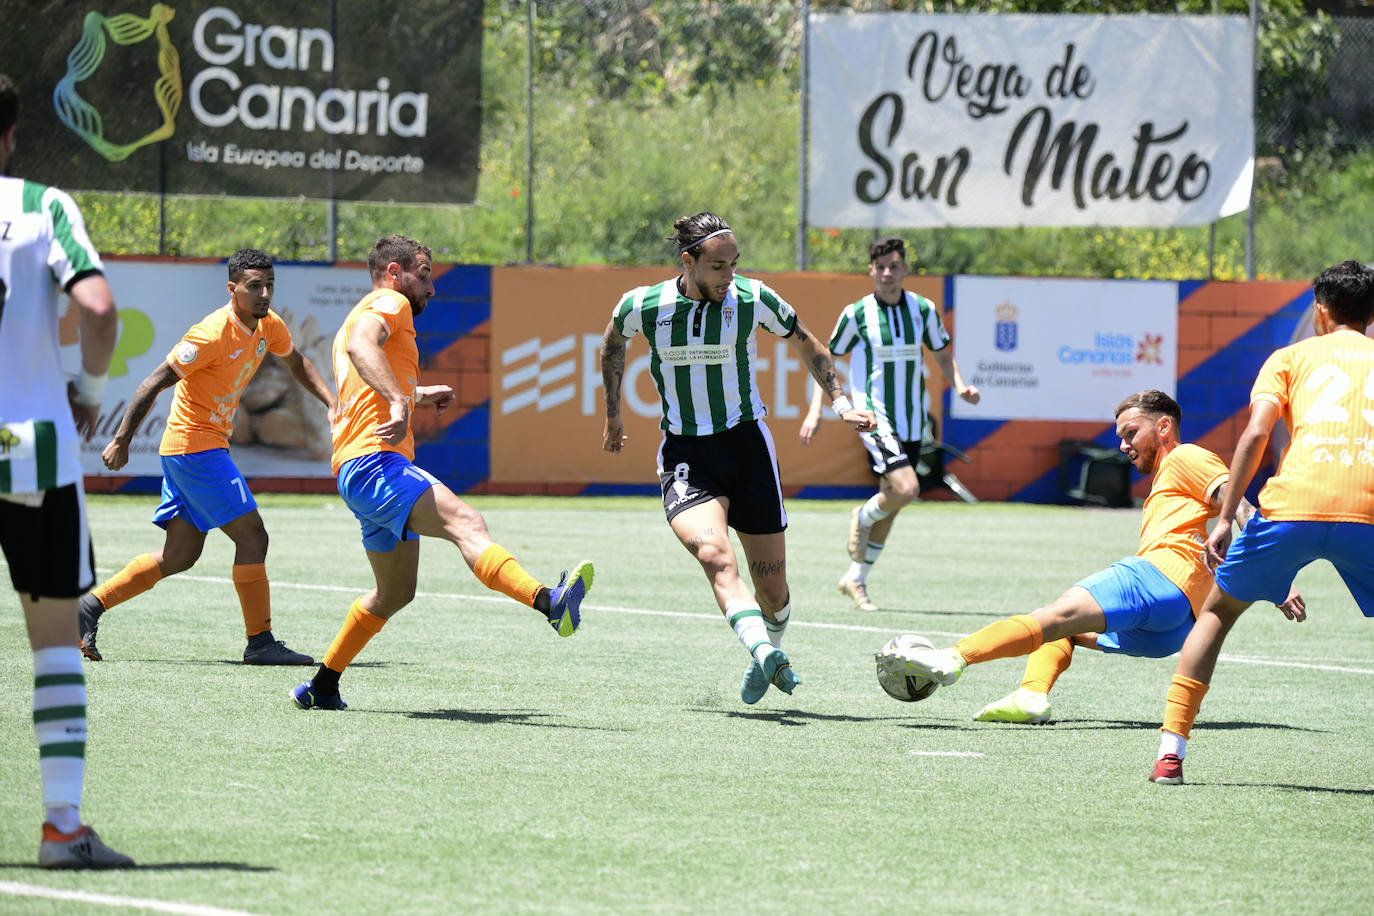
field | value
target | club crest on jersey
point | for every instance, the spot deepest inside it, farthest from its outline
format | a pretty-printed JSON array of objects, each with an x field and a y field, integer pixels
[
  {"x": 186, "y": 352},
  {"x": 262, "y": 346},
  {"x": 727, "y": 315}
]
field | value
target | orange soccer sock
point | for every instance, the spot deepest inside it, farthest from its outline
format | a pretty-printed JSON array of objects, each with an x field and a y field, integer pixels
[
  {"x": 255, "y": 597},
  {"x": 1019, "y": 635},
  {"x": 141, "y": 574},
  {"x": 1183, "y": 702},
  {"x": 499, "y": 571},
  {"x": 1046, "y": 663},
  {"x": 360, "y": 627}
]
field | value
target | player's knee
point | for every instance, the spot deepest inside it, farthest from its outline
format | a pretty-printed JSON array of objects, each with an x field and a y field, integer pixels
[
  {"x": 901, "y": 493},
  {"x": 713, "y": 557},
  {"x": 389, "y": 602},
  {"x": 178, "y": 561}
]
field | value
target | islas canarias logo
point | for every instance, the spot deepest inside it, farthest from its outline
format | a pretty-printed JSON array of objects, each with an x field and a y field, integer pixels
[
  {"x": 80, "y": 116},
  {"x": 1150, "y": 350}
]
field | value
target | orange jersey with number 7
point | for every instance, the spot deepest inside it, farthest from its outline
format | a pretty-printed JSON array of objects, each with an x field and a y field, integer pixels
[
  {"x": 361, "y": 410},
  {"x": 1324, "y": 387},
  {"x": 216, "y": 359}
]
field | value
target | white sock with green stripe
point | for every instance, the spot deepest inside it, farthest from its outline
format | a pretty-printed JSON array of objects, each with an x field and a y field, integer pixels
[
  {"x": 59, "y": 721},
  {"x": 746, "y": 619},
  {"x": 778, "y": 626},
  {"x": 870, "y": 514}
]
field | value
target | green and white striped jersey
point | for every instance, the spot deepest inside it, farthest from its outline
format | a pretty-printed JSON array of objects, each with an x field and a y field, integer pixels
[
  {"x": 885, "y": 368},
  {"x": 702, "y": 355},
  {"x": 43, "y": 248}
]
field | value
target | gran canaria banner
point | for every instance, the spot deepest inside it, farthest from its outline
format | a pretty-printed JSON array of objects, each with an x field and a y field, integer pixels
[
  {"x": 339, "y": 99},
  {"x": 1026, "y": 120}
]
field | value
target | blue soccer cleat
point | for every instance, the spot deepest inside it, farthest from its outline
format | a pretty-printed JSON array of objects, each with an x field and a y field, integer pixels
[
  {"x": 565, "y": 599},
  {"x": 305, "y": 697},
  {"x": 754, "y": 685},
  {"x": 778, "y": 670}
]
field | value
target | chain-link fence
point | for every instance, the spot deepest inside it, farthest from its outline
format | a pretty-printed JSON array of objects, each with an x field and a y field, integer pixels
[{"x": 603, "y": 120}]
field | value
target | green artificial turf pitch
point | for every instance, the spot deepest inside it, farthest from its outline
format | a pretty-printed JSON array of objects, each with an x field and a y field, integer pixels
[{"x": 487, "y": 765}]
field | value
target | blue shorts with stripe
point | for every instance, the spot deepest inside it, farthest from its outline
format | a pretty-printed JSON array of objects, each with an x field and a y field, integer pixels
[
  {"x": 1265, "y": 558},
  {"x": 1147, "y": 615},
  {"x": 381, "y": 489},
  {"x": 203, "y": 488}
]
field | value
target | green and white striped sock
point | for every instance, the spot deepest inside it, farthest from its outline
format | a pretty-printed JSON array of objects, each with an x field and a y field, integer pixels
[
  {"x": 59, "y": 721},
  {"x": 778, "y": 626},
  {"x": 746, "y": 619}
]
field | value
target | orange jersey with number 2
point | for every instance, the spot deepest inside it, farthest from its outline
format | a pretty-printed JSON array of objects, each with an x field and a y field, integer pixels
[{"x": 1324, "y": 387}]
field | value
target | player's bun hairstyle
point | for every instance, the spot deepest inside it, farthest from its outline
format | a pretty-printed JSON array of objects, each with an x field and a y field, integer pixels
[
  {"x": 1155, "y": 403},
  {"x": 9, "y": 103},
  {"x": 396, "y": 248},
  {"x": 879, "y": 247},
  {"x": 1347, "y": 291},
  {"x": 248, "y": 259},
  {"x": 691, "y": 231}
]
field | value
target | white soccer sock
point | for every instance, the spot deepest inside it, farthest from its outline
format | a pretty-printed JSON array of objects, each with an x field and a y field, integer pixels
[
  {"x": 870, "y": 514},
  {"x": 746, "y": 619},
  {"x": 1170, "y": 743},
  {"x": 59, "y": 721},
  {"x": 778, "y": 626},
  {"x": 858, "y": 572}
]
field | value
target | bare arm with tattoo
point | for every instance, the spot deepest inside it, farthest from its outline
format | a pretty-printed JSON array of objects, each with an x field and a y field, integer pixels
[
  {"x": 816, "y": 357},
  {"x": 116, "y": 454},
  {"x": 612, "y": 376}
]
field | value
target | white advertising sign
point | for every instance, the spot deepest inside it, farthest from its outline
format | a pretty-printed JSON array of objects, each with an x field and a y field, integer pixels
[
  {"x": 1061, "y": 349},
  {"x": 1023, "y": 120},
  {"x": 280, "y": 429}
]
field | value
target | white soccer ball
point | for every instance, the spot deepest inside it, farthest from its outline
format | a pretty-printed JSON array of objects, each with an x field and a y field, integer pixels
[{"x": 895, "y": 682}]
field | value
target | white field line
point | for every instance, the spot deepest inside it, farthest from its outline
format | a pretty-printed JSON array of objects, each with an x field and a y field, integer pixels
[
  {"x": 809, "y": 624},
  {"x": 15, "y": 889},
  {"x": 947, "y": 754}
]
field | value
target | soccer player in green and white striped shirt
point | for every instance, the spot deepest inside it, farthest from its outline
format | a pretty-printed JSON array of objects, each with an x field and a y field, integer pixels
[
  {"x": 885, "y": 335},
  {"x": 43, "y": 531},
  {"x": 716, "y": 465}
]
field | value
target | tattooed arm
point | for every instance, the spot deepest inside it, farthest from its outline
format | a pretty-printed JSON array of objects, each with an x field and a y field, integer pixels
[
  {"x": 816, "y": 357},
  {"x": 612, "y": 375}
]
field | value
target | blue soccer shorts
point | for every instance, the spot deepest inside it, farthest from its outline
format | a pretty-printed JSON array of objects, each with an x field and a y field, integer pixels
[
  {"x": 204, "y": 488},
  {"x": 1148, "y": 616},
  {"x": 381, "y": 489},
  {"x": 1266, "y": 556}
]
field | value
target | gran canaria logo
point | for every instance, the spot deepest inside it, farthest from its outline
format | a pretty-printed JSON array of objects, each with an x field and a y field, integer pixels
[{"x": 83, "y": 61}]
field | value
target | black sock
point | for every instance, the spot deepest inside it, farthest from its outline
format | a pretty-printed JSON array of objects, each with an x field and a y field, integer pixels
[
  {"x": 260, "y": 639},
  {"x": 326, "y": 680},
  {"x": 542, "y": 602}
]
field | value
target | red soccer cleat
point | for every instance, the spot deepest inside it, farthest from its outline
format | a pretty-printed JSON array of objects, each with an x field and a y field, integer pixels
[{"x": 1168, "y": 770}]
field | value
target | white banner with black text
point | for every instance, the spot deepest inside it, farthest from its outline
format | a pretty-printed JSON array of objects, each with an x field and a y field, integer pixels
[{"x": 1023, "y": 120}]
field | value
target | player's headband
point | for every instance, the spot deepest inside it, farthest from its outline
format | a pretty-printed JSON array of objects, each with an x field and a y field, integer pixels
[{"x": 706, "y": 238}]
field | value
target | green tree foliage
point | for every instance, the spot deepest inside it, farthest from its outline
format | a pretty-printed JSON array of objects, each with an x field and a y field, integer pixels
[{"x": 648, "y": 109}]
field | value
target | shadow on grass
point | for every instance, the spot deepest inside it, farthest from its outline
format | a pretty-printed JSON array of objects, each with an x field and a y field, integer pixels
[
  {"x": 802, "y": 717},
  {"x": 1061, "y": 725},
  {"x": 1329, "y": 790},
  {"x": 238, "y": 663},
  {"x": 509, "y": 717},
  {"x": 163, "y": 866}
]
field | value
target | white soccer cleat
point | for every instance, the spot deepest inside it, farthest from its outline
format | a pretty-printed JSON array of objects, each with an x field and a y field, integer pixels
[
  {"x": 1020, "y": 707},
  {"x": 943, "y": 666},
  {"x": 857, "y": 592},
  {"x": 858, "y": 535}
]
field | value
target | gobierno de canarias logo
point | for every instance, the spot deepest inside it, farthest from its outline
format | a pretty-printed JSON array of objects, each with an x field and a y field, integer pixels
[{"x": 80, "y": 116}]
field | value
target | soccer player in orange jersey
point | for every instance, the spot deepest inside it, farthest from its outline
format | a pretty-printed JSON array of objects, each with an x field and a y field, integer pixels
[
  {"x": 201, "y": 488},
  {"x": 1143, "y": 605},
  {"x": 1320, "y": 504},
  {"x": 377, "y": 368}
]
